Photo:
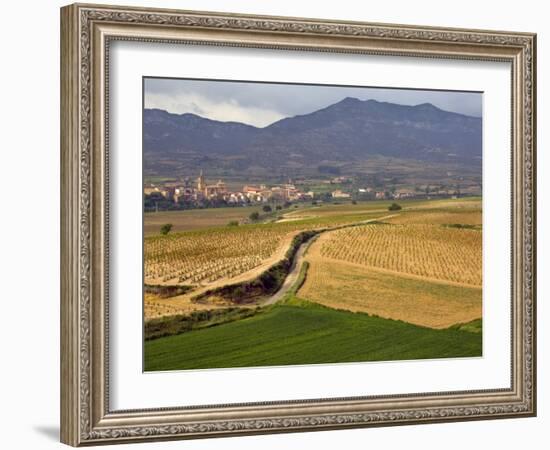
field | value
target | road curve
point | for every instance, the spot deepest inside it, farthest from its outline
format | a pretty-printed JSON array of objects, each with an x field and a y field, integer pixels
[
  {"x": 298, "y": 262},
  {"x": 292, "y": 276}
]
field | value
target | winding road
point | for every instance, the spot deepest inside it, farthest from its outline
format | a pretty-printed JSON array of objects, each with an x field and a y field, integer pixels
[
  {"x": 299, "y": 259},
  {"x": 292, "y": 276},
  {"x": 183, "y": 304}
]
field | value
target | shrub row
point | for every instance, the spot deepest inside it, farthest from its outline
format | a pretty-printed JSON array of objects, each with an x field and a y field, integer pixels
[
  {"x": 165, "y": 291},
  {"x": 172, "y": 325}
]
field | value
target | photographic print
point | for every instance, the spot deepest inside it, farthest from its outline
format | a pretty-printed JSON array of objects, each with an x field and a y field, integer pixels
[
  {"x": 289, "y": 224},
  {"x": 342, "y": 212}
]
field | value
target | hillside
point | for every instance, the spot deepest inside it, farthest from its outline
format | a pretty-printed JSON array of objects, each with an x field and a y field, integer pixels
[{"x": 347, "y": 131}]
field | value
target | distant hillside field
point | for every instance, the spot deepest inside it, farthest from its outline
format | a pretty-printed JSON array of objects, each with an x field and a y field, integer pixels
[{"x": 195, "y": 218}]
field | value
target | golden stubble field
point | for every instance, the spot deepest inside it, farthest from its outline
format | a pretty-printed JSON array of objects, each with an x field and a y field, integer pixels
[
  {"x": 154, "y": 306},
  {"x": 204, "y": 257},
  {"x": 362, "y": 289},
  {"x": 418, "y": 267},
  {"x": 430, "y": 251}
]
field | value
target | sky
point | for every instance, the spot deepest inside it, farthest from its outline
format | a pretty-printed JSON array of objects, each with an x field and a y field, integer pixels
[{"x": 261, "y": 104}]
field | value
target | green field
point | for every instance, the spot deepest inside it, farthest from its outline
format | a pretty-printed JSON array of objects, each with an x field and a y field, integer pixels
[{"x": 300, "y": 332}]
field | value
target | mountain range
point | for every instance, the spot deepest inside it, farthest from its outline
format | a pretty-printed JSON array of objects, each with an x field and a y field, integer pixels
[{"x": 349, "y": 131}]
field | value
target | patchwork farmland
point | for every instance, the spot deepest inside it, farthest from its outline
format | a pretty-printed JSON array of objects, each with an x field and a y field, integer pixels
[
  {"x": 368, "y": 274},
  {"x": 202, "y": 256},
  {"x": 430, "y": 251}
]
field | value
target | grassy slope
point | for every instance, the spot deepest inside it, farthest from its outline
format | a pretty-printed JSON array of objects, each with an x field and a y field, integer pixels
[{"x": 300, "y": 332}]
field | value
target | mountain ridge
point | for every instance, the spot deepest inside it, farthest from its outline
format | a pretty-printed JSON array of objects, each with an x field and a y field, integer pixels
[
  {"x": 426, "y": 105},
  {"x": 348, "y": 130}
]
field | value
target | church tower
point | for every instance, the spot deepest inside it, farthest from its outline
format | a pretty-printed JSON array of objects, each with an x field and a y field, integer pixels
[{"x": 201, "y": 185}]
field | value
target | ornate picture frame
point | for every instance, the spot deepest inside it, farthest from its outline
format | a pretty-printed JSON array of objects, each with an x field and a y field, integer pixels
[{"x": 87, "y": 31}]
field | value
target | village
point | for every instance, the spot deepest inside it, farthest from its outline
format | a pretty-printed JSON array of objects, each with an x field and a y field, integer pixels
[
  {"x": 200, "y": 192},
  {"x": 189, "y": 194}
]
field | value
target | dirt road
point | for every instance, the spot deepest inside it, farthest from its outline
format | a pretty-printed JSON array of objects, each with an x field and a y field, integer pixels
[
  {"x": 298, "y": 262},
  {"x": 183, "y": 304},
  {"x": 292, "y": 275}
]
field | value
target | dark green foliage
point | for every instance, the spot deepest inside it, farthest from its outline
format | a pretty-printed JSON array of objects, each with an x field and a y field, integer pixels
[
  {"x": 299, "y": 332},
  {"x": 475, "y": 326},
  {"x": 233, "y": 223},
  {"x": 165, "y": 229},
  {"x": 266, "y": 208},
  {"x": 394, "y": 207},
  {"x": 165, "y": 291},
  {"x": 298, "y": 240},
  {"x": 462, "y": 226},
  {"x": 172, "y": 325},
  {"x": 255, "y": 216}
]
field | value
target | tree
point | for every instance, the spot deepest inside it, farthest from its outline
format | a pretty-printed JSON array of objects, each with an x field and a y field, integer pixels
[
  {"x": 254, "y": 216},
  {"x": 233, "y": 223},
  {"x": 165, "y": 229},
  {"x": 278, "y": 207},
  {"x": 267, "y": 208},
  {"x": 394, "y": 207}
]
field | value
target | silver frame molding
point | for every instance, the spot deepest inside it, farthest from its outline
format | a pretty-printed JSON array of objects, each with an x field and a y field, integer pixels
[{"x": 86, "y": 33}]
